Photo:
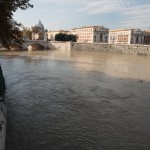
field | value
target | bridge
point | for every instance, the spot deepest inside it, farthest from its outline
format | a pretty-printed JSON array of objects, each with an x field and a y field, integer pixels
[
  {"x": 30, "y": 42},
  {"x": 55, "y": 45}
]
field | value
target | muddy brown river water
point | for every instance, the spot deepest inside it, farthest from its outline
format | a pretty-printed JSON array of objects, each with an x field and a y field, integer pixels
[{"x": 77, "y": 101}]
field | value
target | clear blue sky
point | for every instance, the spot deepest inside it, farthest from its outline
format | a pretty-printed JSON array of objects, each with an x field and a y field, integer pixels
[{"x": 67, "y": 14}]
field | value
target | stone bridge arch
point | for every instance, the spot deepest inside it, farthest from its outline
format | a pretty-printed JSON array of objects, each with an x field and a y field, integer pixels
[{"x": 43, "y": 44}]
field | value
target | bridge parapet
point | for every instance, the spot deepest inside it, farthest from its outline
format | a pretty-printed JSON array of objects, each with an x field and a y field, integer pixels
[
  {"x": 29, "y": 42},
  {"x": 49, "y": 44}
]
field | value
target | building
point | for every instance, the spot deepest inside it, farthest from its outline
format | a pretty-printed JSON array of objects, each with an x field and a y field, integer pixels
[
  {"x": 91, "y": 34},
  {"x": 126, "y": 36},
  {"x": 51, "y": 34},
  {"x": 38, "y": 31},
  {"x": 146, "y": 36}
]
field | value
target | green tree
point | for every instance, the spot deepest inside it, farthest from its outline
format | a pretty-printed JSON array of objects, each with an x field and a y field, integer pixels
[
  {"x": 27, "y": 33},
  {"x": 9, "y": 28},
  {"x": 60, "y": 37},
  {"x": 65, "y": 37}
]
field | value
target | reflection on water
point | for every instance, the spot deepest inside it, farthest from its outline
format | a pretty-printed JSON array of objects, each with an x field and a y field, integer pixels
[
  {"x": 77, "y": 101},
  {"x": 118, "y": 65}
]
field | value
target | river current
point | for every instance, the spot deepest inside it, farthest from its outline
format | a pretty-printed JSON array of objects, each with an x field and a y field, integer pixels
[{"x": 77, "y": 101}]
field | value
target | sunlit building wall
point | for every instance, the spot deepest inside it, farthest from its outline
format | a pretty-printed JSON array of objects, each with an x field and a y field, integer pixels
[
  {"x": 91, "y": 34},
  {"x": 126, "y": 36}
]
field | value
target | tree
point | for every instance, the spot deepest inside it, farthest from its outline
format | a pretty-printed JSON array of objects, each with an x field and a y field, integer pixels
[
  {"x": 65, "y": 37},
  {"x": 9, "y": 28},
  {"x": 60, "y": 37},
  {"x": 26, "y": 33}
]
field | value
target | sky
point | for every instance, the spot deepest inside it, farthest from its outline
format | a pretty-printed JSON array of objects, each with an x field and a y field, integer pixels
[{"x": 68, "y": 14}]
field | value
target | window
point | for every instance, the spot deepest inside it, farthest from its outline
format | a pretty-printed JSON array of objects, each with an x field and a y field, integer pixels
[
  {"x": 95, "y": 38},
  {"x": 101, "y": 36}
]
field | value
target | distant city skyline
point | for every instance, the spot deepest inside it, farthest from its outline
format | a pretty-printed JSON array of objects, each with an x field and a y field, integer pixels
[{"x": 68, "y": 14}]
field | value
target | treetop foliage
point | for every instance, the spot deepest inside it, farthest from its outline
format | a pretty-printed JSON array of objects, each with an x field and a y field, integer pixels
[
  {"x": 9, "y": 27},
  {"x": 65, "y": 37}
]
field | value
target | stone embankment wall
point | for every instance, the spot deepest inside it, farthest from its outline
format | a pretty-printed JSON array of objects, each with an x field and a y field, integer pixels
[
  {"x": 59, "y": 45},
  {"x": 100, "y": 47},
  {"x": 113, "y": 48}
]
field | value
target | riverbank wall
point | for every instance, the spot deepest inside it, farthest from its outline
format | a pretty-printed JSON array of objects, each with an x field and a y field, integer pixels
[
  {"x": 98, "y": 47},
  {"x": 112, "y": 48},
  {"x": 59, "y": 45}
]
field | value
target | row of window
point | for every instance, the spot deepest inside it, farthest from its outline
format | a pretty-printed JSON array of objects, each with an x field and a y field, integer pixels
[
  {"x": 84, "y": 40},
  {"x": 79, "y": 30},
  {"x": 123, "y": 40},
  {"x": 123, "y": 35},
  {"x": 84, "y": 36},
  {"x": 84, "y": 33},
  {"x": 114, "y": 33},
  {"x": 85, "y": 30}
]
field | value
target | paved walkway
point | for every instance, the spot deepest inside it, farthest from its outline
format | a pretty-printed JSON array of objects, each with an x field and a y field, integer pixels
[{"x": 2, "y": 125}]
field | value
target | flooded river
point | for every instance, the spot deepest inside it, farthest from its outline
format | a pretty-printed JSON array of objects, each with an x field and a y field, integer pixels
[{"x": 77, "y": 101}]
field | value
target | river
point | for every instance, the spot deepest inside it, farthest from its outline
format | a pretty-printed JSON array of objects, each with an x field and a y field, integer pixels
[{"x": 77, "y": 101}]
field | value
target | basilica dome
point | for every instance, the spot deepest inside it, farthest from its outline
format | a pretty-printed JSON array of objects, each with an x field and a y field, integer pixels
[
  {"x": 40, "y": 25},
  {"x": 38, "y": 31}
]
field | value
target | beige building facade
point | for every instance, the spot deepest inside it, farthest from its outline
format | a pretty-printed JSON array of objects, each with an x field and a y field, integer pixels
[
  {"x": 146, "y": 36},
  {"x": 91, "y": 34},
  {"x": 126, "y": 36}
]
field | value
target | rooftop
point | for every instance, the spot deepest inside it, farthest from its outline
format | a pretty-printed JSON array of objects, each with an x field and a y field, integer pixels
[
  {"x": 40, "y": 25},
  {"x": 102, "y": 27}
]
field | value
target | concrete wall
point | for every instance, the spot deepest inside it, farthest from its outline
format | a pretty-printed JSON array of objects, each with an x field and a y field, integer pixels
[
  {"x": 59, "y": 45},
  {"x": 113, "y": 48}
]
